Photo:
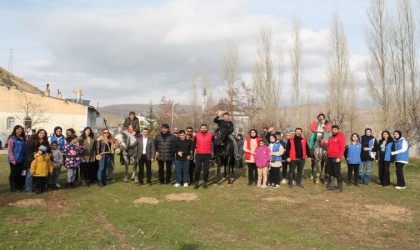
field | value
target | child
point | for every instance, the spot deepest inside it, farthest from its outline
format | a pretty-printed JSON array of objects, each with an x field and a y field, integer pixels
[
  {"x": 262, "y": 159},
  {"x": 40, "y": 168},
  {"x": 72, "y": 152},
  {"x": 352, "y": 155},
  {"x": 57, "y": 162},
  {"x": 277, "y": 151}
]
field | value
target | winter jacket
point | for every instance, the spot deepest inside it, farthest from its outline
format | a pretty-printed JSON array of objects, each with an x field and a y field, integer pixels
[
  {"x": 89, "y": 149},
  {"x": 400, "y": 150},
  {"x": 164, "y": 144},
  {"x": 249, "y": 147},
  {"x": 315, "y": 123},
  {"x": 31, "y": 149},
  {"x": 135, "y": 123},
  {"x": 41, "y": 165},
  {"x": 262, "y": 156},
  {"x": 336, "y": 146},
  {"x": 203, "y": 142},
  {"x": 185, "y": 146},
  {"x": 384, "y": 150},
  {"x": 277, "y": 151},
  {"x": 16, "y": 149},
  {"x": 224, "y": 125},
  {"x": 297, "y": 148},
  {"x": 72, "y": 154},
  {"x": 61, "y": 141},
  {"x": 352, "y": 153},
  {"x": 369, "y": 142},
  {"x": 103, "y": 147}
]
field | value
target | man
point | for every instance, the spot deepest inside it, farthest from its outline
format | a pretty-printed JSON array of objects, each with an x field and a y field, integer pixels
[
  {"x": 175, "y": 131},
  {"x": 202, "y": 141},
  {"x": 190, "y": 136},
  {"x": 145, "y": 154},
  {"x": 369, "y": 146},
  {"x": 336, "y": 147},
  {"x": 164, "y": 153},
  {"x": 267, "y": 133},
  {"x": 133, "y": 121},
  {"x": 297, "y": 151},
  {"x": 325, "y": 124},
  {"x": 183, "y": 149},
  {"x": 225, "y": 124}
]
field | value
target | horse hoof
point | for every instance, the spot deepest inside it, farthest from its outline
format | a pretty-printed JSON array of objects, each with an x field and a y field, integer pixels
[
  {"x": 216, "y": 184},
  {"x": 317, "y": 182},
  {"x": 125, "y": 179}
]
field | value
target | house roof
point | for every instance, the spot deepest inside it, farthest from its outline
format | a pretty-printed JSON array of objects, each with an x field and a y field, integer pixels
[{"x": 8, "y": 79}]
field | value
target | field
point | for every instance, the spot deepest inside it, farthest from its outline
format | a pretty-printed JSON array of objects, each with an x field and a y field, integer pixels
[{"x": 125, "y": 216}]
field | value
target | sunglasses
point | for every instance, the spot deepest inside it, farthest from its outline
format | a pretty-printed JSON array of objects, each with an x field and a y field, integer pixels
[{"x": 106, "y": 132}]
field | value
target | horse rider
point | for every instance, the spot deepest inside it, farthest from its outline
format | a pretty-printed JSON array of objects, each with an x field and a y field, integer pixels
[
  {"x": 223, "y": 122},
  {"x": 325, "y": 124}
]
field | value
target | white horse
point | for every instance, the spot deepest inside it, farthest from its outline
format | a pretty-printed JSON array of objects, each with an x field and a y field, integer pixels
[
  {"x": 320, "y": 154},
  {"x": 127, "y": 146}
]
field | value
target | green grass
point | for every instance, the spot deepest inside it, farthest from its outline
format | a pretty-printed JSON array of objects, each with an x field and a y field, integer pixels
[{"x": 224, "y": 217}]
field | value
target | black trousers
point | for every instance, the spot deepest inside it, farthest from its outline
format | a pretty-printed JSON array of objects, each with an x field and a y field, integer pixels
[
  {"x": 40, "y": 183},
  {"x": 202, "y": 161},
  {"x": 252, "y": 173},
  {"x": 85, "y": 170},
  {"x": 162, "y": 171},
  {"x": 400, "y": 175},
  {"x": 284, "y": 169},
  {"x": 353, "y": 168},
  {"x": 384, "y": 174},
  {"x": 16, "y": 180},
  {"x": 334, "y": 169},
  {"x": 275, "y": 175},
  {"x": 296, "y": 164},
  {"x": 143, "y": 161},
  {"x": 192, "y": 171}
]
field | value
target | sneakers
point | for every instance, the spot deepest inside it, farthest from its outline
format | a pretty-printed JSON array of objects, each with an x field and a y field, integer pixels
[
  {"x": 185, "y": 185},
  {"x": 276, "y": 186},
  {"x": 237, "y": 157},
  {"x": 284, "y": 181},
  {"x": 399, "y": 188},
  {"x": 177, "y": 185}
]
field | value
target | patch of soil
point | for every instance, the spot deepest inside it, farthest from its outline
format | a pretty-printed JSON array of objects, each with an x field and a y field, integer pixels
[
  {"x": 280, "y": 199},
  {"x": 56, "y": 204},
  {"x": 15, "y": 221},
  {"x": 29, "y": 203},
  {"x": 389, "y": 212},
  {"x": 147, "y": 200},
  {"x": 182, "y": 197}
]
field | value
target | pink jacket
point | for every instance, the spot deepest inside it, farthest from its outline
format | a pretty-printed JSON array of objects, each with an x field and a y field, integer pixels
[{"x": 262, "y": 157}]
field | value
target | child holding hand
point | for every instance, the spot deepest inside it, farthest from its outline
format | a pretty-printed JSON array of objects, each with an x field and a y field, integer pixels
[{"x": 41, "y": 166}]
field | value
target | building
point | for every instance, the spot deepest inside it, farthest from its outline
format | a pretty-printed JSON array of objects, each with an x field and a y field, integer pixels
[{"x": 23, "y": 104}]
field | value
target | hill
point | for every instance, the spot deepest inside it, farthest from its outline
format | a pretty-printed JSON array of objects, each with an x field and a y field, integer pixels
[{"x": 9, "y": 80}]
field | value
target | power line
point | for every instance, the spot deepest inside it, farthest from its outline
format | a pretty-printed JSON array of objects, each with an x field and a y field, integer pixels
[{"x": 11, "y": 61}]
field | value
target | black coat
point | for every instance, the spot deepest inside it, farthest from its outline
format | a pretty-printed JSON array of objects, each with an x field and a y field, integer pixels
[
  {"x": 225, "y": 125},
  {"x": 185, "y": 146},
  {"x": 164, "y": 143}
]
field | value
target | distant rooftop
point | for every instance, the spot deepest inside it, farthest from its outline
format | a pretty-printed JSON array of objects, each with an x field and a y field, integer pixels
[{"x": 81, "y": 101}]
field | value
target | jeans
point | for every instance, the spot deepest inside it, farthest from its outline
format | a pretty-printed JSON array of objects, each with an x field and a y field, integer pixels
[
  {"x": 110, "y": 168},
  {"x": 161, "y": 165},
  {"x": 71, "y": 175},
  {"x": 182, "y": 171},
  {"x": 53, "y": 178},
  {"x": 364, "y": 172},
  {"x": 296, "y": 164},
  {"x": 103, "y": 164}
]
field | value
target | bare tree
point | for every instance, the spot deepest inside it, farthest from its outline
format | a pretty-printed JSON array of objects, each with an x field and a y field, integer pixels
[
  {"x": 377, "y": 71},
  {"x": 230, "y": 67},
  {"x": 194, "y": 101},
  {"x": 342, "y": 91},
  {"x": 296, "y": 58},
  {"x": 33, "y": 112}
]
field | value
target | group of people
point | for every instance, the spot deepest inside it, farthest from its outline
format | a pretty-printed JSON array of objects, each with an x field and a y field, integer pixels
[{"x": 36, "y": 163}]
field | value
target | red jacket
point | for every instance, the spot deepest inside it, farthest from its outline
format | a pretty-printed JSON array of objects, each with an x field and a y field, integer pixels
[
  {"x": 336, "y": 145},
  {"x": 327, "y": 126},
  {"x": 203, "y": 143},
  {"x": 292, "y": 151},
  {"x": 248, "y": 146}
]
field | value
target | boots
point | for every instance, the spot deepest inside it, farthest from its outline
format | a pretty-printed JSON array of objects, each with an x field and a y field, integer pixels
[
  {"x": 330, "y": 186},
  {"x": 340, "y": 185},
  {"x": 205, "y": 185},
  {"x": 196, "y": 185}
]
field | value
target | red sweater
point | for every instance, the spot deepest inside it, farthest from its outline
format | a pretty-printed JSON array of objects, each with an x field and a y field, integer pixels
[{"x": 336, "y": 145}]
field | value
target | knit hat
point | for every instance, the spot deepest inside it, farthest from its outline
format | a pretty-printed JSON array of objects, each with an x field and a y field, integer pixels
[{"x": 43, "y": 148}]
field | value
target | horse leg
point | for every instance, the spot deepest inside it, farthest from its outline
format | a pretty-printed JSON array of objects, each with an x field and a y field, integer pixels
[
  {"x": 136, "y": 177},
  {"x": 312, "y": 168},
  {"x": 126, "y": 170}
]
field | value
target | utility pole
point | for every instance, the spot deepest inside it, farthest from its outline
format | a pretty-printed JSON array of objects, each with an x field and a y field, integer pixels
[{"x": 11, "y": 61}]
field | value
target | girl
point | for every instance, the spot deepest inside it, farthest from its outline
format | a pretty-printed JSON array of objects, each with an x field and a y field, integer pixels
[
  {"x": 71, "y": 153},
  {"x": 34, "y": 142},
  {"x": 277, "y": 151},
  {"x": 250, "y": 145},
  {"x": 57, "y": 162},
  {"x": 40, "y": 168},
  {"x": 383, "y": 158},
  {"x": 262, "y": 159},
  {"x": 104, "y": 151},
  {"x": 352, "y": 155},
  {"x": 17, "y": 158},
  {"x": 88, "y": 143},
  {"x": 58, "y": 137},
  {"x": 400, "y": 152}
]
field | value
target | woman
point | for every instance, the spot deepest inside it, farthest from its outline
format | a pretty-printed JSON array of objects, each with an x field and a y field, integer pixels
[
  {"x": 17, "y": 158},
  {"x": 352, "y": 155},
  {"x": 277, "y": 151},
  {"x": 383, "y": 158},
  {"x": 58, "y": 137},
  {"x": 104, "y": 151},
  {"x": 35, "y": 141},
  {"x": 400, "y": 152},
  {"x": 250, "y": 145},
  {"x": 88, "y": 143}
]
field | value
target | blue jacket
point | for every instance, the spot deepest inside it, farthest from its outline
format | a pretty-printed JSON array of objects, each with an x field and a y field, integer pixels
[
  {"x": 18, "y": 151},
  {"x": 384, "y": 155},
  {"x": 352, "y": 153},
  {"x": 276, "y": 148},
  {"x": 61, "y": 141},
  {"x": 401, "y": 150},
  {"x": 284, "y": 144}
]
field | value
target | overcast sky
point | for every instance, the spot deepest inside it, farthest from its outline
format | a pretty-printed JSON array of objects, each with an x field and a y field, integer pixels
[{"x": 135, "y": 51}]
